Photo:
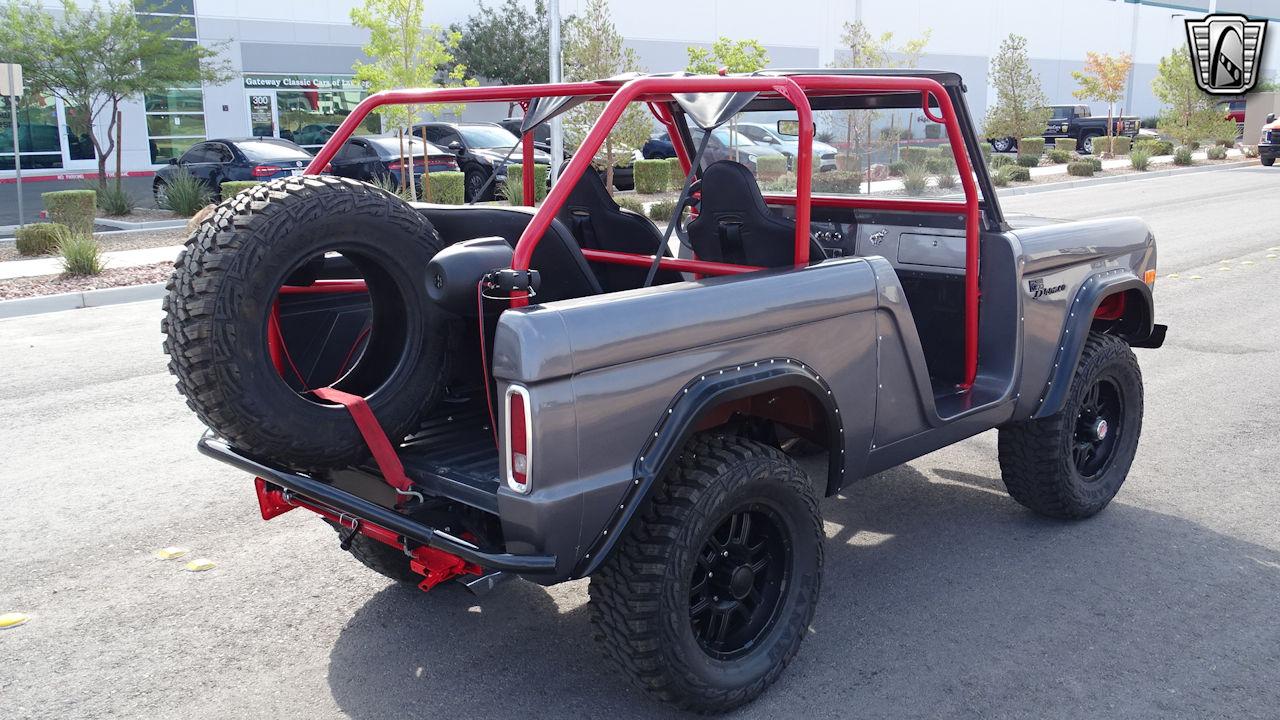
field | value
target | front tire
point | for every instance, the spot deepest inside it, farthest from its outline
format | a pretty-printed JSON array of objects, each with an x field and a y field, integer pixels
[
  {"x": 474, "y": 183},
  {"x": 1071, "y": 464},
  {"x": 708, "y": 596},
  {"x": 1268, "y": 162}
]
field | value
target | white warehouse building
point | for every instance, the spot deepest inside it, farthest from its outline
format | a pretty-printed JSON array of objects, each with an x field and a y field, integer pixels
[{"x": 292, "y": 59}]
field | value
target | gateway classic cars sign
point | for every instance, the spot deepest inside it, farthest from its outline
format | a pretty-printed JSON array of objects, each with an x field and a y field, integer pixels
[{"x": 303, "y": 82}]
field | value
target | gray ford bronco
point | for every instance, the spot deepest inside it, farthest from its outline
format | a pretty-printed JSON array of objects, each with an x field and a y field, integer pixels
[{"x": 471, "y": 392}]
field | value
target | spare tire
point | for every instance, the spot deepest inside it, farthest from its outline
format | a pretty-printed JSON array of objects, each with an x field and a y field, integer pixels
[{"x": 220, "y": 300}]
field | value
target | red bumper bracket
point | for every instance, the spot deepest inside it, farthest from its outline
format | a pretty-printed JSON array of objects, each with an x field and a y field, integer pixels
[{"x": 437, "y": 566}]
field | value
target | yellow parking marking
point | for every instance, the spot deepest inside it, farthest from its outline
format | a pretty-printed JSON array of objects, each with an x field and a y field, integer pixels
[
  {"x": 1197, "y": 277},
  {"x": 199, "y": 565},
  {"x": 1173, "y": 276},
  {"x": 1271, "y": 256},
  {"x": 12, "y": 620},
  {"x": 1246, "y": 262},
  {"x": 171, "y": 553},
  {"x": 1223, "y": 269}
]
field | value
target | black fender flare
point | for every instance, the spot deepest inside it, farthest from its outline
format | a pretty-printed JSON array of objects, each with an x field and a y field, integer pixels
[
  {"x": 1075, "y": 331},
  {"x": 676, "y": 425}
]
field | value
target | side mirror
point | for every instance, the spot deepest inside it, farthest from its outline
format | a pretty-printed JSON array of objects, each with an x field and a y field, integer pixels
[
  {"x": 173, "y": 161},
  {"x": 455, "y": 147},
  {"x": 1271, "y": 117}
]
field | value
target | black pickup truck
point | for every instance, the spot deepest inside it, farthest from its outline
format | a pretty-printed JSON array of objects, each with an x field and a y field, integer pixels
[{"x": 1075, "y": 121}]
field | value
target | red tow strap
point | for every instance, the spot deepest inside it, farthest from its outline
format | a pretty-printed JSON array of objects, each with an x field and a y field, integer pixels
[{"x": 384, "y": 455}]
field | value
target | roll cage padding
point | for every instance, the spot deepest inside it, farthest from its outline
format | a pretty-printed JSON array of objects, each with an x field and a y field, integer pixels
[
  {"x": 563, "y": 270},
  {"x": 699, "y": 397},
  {"x": 735, "y": 225},
  {"x": 598, "y": 223},
  {"x": 1075, "y": 331}
]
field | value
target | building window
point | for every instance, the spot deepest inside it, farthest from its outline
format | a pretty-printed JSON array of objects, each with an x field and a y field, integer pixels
[
  {"x": 37, "y": 133},
  {"x": 175, "y": 118},
  {"x": 310, "y": 117}
]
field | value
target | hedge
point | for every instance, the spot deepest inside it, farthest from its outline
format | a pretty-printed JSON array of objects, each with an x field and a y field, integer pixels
[
  {"x": 839, "y": 182},
  {"x": 515, "y": 184},
  {"x": 986, "y": 150},
  {"x": 1120, "y": 145},
  {"x": 897, "y": 168},
  {"x": 652, "y": 176},
  {"x": 786, "y": 182},
  {"x": 1016, "y": 173},
  {"x": 1067, "y": 144},
  {"x": 661, "y": 210},
  {"x": 1082, "y": 169},
  {"x": 39, "y": 238},
  {"x": 770, "y": 166},
  {"x": 629, "y": 203},
  {"x": 448, "y": 188},
  {"x": 915, "y": 155},
  {"x": 1031, "y": 146},
  {"x": 73, "y": 208},
  {"x": 677, "y": 172},
  {"x": 940, "y": 165},
  {"x": 233, "y": 187},
  {"x": 1028, "y": 160},
  {"x": 1059, "y": 156},
  {"x": 1155, "y": 147}
]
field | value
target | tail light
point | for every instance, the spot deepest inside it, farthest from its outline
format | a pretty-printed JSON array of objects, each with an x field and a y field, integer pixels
[
  {"x": 446, "y": 161},
  {"x": 265, "y": 170},
  {"x": 518, "y": 445},
  {"x": 397, "y": 165}
]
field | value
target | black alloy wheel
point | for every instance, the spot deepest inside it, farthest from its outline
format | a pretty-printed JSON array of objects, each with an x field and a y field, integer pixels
[{"x": 1098, "y": 424}]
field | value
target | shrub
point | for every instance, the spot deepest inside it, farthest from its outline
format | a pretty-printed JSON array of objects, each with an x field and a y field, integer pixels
[
  {"x": 391, "y": 185},
  {"x": 448, "y": 188},
  {"x": 80, "y": 254},
  {"x": 1120, "y": 145},
  {"x": 184, "y": 194},
  {"x": 1059, "y": 156},
  {"x": 771, "y": 166},
  {"x": 897, "y": 168},
  {"x": 838, "y": 182},
  {"x": 915, "y": 180},
  {"x": 1250, "y": 151},
  {"x": 946, "y": 181},
  {"x": 1067, "y": 144},
  {"x": 233, "y": 187},
  {"x": 515, "y": 183},
  {"x": 932, "y": 131},
  {"x": 629, "y": 203},
  {"x": 1150, "y": 122},
  {"x": 1182, "y": 156},
  {"x": 999, "y": 179},
  {"x": 1155, "y": 147},
  {"x": 786, "y": 182},
  {"x": 1033, "y": 146},
  {"x": 915, "y": 155},
  {"x": 73, "y": 208},
  {"x": 1082, "y": 169},
  {"x": 1016, "y": 173},
  {"x": 1139, "y": 159},
  {"x": 39, "y": 238},
  {"x": 661, "y": 210},
  {"x": 1028, "y": 161},
  {"x": 1216, "y": 152},
  {"x": 940, "y": 165},
  {"x": 115, "y": 201},
  {"x": 654, "y": 176},
  {"x": 999, "y": 161},
  {"x": 1095, "y": 162},
  {"x": 677, "y": 172},
  {"x": 986, "y": 150}
]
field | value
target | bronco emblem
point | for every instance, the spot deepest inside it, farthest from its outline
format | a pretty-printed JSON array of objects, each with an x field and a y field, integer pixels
[
  {"x": 1224, "y": 52},
  {"x": 1038, "y": 289}
]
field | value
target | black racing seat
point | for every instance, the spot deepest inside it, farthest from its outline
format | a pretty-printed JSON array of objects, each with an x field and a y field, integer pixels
[
  {"x": 734, "y": 225},
  {"x": 563, "y": 270},
  {"x": 598, "y": 223}
]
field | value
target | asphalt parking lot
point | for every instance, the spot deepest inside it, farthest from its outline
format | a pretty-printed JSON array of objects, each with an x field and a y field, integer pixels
[
  {"x": 942, "y": 597},
  {"x": 138, "y": 187}
]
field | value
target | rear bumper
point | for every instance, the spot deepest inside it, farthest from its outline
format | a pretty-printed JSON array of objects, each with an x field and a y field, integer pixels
[{"x": 345, "y": 504}]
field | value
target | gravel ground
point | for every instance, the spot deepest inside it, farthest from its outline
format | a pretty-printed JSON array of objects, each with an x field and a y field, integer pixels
[
  {"x": 114, "y": 241},
  {"x": 111, "y": 277}
]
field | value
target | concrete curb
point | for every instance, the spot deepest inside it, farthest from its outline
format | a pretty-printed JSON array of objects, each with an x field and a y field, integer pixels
[
  {"x": 1089, "y": 182},
  {"x": 147, "y": 225},
  {"x": 76, "y": 300}
]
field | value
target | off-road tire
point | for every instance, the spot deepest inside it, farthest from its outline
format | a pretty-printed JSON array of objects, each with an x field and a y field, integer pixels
[
  {"x": 1002, "y": 145},
  {"x": 640, "y": 597},
  {"x": 225, "y": 284},
  {"x": 1036, "y": 459},
  {"x": 380, "y": 557}
]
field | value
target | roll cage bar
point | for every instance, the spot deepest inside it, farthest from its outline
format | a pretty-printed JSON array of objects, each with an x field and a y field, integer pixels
[{"x": 657, "y": 91}]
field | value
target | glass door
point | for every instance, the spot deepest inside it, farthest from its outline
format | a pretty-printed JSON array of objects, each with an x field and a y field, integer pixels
[
  {"x": 80, "y": 154},
  {"x": 262, "y": 115}
]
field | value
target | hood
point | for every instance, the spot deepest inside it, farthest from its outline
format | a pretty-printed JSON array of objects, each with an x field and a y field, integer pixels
[{"x": 1020, "y": 221}]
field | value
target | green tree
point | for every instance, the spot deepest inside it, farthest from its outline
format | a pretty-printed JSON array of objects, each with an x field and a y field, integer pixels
[
  {"x": 95, "y": 58},
  {"x": 740, "y": 56},
  {"x": 1103, "y": 79},
  {"x": 402, "y": 55},
  {"x": 505, "y": 44},
  {"x": 1021, "y": 109},
  {"x": 860, "y": 48},
  {"x": 1189, "y": 113},
  {"x": 594, "y": 50}
]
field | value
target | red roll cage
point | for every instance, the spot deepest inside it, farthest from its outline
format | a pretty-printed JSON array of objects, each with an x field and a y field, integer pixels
[{"x": 657, "y": 92}]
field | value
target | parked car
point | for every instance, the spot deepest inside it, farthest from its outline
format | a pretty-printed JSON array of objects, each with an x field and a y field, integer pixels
[
  {"x": 375, "y": 159},
  {"x": 623, "y": 175},
  {"x": 1269, "y": 143},
  {"x": 728, "y": 144},
  {"x": 481, "y": 149},
  {"x": 658, "y": 147},
  {"x": 1076, "y": 122},
  {"x": 824, "y": 155},
  {"x": 541, "y": 392},
  {"x": 313, "y": 133},
  {"x": 1233, "y": 110},
  {"x": 217, "y": 161}
]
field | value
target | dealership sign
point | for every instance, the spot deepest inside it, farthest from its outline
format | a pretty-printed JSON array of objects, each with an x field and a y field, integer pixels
[
  {"x": 1225, "y": 51},
  {"x": 304, "y": 82}
]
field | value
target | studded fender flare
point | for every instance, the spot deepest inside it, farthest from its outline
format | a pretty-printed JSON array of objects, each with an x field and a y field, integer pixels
[{"x": 680, "y": 417}]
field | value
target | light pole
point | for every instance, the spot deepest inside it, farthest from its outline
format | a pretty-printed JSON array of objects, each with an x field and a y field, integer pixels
[{"x": 553, "y": 48}]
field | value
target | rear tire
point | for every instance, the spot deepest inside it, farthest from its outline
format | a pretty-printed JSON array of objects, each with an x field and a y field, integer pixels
[
  {"x": 710, "y": 593},
  {"x": 224, "y": 287},
  {"x": 1086, "y": 143},
  {"x": 1268, "y": 162},
  {"x": 1071, "y": 464},
  {"x": 381, "y": 558}
]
